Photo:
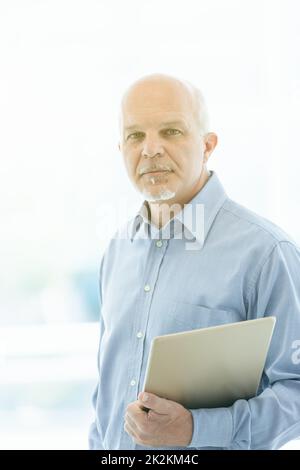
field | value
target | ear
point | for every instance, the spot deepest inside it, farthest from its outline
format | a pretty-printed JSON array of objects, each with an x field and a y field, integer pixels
[{"x": 210, "y": 142}]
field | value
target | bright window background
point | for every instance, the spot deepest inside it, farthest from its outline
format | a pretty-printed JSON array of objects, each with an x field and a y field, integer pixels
[{"x": 63, "y": 67}]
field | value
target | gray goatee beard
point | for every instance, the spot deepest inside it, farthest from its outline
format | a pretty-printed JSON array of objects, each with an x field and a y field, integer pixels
[{"x": 163, "y": 195}]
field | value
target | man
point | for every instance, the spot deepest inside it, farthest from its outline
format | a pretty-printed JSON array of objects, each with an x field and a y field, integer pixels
[{"x": 171, "y": 274}]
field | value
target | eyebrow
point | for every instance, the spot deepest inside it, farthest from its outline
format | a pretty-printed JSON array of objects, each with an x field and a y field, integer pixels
[{"x": 165, "y": 123}]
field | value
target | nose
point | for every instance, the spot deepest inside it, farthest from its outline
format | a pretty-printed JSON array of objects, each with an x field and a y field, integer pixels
[{"x": 152, "y": 147}]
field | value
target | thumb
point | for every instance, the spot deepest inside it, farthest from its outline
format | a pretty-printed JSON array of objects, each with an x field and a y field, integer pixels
[{"x": 154, "y": 402}]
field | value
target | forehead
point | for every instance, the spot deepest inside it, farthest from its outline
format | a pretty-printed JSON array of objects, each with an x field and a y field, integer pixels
[
  {"x": 153, "y": 105},
  {"x": 155, "y": 119}
]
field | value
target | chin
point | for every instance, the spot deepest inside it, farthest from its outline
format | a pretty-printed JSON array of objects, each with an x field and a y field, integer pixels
[{"x": 160, "y": 196}]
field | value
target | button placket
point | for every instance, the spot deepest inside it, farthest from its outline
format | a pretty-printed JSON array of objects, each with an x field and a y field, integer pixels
[{"x": 151, "y": 275}]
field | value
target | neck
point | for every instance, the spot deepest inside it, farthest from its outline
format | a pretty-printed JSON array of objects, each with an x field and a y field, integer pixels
[{"x": 161, "y": 212}]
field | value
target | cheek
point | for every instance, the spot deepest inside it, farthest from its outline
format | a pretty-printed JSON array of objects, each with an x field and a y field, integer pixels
[
  {"x": 131, "y": 162},
  {"x": 178, "y": 154},
  {"x": 196, "y": 155},
  {"x": 191, "y": 168},
  {"x": 188, "y": 158}
]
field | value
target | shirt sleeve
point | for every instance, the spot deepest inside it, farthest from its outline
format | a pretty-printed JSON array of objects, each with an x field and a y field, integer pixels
[
  {"x": 94, "y": 437},
  {"x": 272, "y": 418}
]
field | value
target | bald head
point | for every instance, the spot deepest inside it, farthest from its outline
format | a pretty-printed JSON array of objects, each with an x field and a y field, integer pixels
[{"x": 159, "y": 91}]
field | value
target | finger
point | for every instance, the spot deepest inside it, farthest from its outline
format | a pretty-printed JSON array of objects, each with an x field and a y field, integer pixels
[
  {"x": 158, "y": 417},
  {"x": 155, "y": 403},
  {"x": 137, "y": 408},
  {"x": 132, "y": 423},
  {"x": 129, "y": 430},
  {"x": 133, "y": 434}
]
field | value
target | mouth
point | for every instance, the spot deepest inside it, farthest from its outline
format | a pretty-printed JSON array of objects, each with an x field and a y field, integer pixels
[{"x": 158, "y": 172}]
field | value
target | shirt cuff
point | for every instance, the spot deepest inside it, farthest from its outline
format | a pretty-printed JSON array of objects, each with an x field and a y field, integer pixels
[{"x": 213, "y": 427}]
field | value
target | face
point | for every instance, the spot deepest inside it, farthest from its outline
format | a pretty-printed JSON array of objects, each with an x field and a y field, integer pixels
[{"x": 161, "y": 142}]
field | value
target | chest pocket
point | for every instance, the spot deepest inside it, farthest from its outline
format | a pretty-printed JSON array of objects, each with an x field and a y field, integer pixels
[{"x": 189, "y": 316}]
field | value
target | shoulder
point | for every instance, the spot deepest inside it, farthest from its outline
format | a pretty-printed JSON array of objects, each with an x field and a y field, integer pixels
[
  {"x": 251, "y": 225},
  {"x": 251, "y": 237}
]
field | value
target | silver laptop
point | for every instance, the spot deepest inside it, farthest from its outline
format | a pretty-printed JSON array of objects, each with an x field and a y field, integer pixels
[{"x": 210, "y": 367}]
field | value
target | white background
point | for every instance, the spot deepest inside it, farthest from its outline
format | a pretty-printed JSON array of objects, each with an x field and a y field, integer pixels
[{"x": 63, "y": 68}]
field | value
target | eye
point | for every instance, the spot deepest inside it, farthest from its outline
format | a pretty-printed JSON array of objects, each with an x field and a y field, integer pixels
[
  {"x": 135, "y": 135},
  {"x": 172, "y": 132}
]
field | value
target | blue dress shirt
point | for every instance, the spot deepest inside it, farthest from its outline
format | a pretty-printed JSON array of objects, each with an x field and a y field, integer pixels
[{"x": 232, "y": 266}]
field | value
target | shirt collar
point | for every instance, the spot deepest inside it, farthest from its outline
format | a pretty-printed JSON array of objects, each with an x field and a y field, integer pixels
[{"x": 195, "y": 219}]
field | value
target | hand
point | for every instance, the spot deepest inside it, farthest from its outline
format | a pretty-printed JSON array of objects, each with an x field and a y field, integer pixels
[{"x": 166, "y": 423}]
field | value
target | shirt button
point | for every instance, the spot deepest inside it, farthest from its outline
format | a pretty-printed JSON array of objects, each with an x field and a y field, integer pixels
[
  {"x": 139, "y": 335},
  {"x": 147, "y": 288},
  {"x": 159, "y": 244},
  {"x": 132, "y": 383}
]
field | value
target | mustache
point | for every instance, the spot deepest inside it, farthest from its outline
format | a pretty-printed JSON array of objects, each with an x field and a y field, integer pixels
[{"x": 159, "y": 167}]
